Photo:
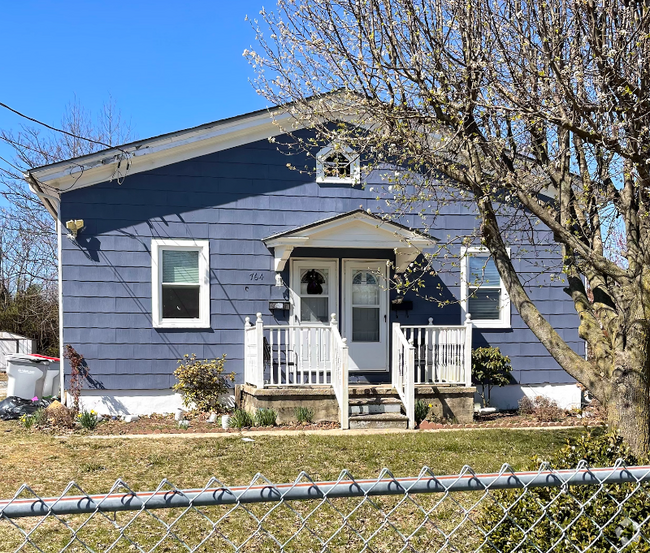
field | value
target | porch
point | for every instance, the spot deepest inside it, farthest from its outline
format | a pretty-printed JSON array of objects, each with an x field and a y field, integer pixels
[{"x": 309, "y": 364}]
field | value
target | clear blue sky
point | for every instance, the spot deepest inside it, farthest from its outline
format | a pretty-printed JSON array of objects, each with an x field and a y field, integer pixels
[{"x": 168, "y": 65}]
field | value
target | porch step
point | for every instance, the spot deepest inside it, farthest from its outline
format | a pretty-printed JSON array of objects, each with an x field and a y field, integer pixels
[
  {"x": 379, "y": 420},
  {"x": 372, "y": 405}
]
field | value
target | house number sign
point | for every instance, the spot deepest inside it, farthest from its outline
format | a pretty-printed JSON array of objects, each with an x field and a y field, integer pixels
[{"x": 256, "y": 276}]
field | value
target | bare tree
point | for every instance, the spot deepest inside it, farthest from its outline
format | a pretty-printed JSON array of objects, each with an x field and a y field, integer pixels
[
  {"x": 28, "y": 240},
  {"x": 538, "y": 111}
]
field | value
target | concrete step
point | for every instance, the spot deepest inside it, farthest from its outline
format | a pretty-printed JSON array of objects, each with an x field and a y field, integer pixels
[
  {"x": 379, "y": 420},
  {"x": 371, "y": 405}
]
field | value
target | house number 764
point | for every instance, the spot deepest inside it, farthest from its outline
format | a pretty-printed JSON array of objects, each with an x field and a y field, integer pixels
[{"x": 256, "y": 276}]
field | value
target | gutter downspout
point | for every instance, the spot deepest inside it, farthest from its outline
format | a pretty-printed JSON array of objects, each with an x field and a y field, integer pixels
[{"x": 53, "y": 206}]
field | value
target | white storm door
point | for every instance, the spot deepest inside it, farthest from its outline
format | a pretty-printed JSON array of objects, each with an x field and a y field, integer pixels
[{"x": 365, "y": 314}]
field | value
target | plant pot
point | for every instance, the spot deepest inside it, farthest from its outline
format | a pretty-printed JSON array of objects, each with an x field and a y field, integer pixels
[{"x": 225, "y": 422}]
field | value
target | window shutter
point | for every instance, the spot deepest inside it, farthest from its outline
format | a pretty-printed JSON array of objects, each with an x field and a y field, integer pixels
[{"x": 180, "y": 267}]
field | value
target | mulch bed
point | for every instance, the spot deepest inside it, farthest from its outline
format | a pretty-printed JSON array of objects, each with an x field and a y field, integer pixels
[
  {"x": 590, "y": 416},
  {"x": 165, "y": 424}
]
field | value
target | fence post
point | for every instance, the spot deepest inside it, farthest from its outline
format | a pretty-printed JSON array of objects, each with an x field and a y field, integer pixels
[
  {"x": 468, "y": 350},
  {"x": 259, "y": 337}
]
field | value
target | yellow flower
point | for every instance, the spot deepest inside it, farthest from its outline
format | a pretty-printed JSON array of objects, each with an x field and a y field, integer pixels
[{"x": 430, "y": 404}]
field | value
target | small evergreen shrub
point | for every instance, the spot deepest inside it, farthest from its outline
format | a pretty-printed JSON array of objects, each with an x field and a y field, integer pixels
[
  {"x": 304, "y": 415},
  {"x": 201, "y": 383},
  {"x": 240, "y": 419},
  {"x": 265, "y": 417},
  {"x": 88, "y": 420},
  {"x": 421, "y": 410},
  {"x": 543, "y": 531},
  {"x": 490, "y": 368}
]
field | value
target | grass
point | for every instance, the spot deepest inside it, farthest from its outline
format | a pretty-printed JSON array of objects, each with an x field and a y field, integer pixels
[{"x": 190, "y": 462}]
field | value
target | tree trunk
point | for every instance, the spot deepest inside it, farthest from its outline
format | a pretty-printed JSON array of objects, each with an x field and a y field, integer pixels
[{"x": 629, "y": 408}]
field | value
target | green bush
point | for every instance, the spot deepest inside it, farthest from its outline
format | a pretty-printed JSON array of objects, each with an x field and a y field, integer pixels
[
  {"x": 304, "y": 415},
  {"x": 88, "y": 420},
  {"x": 201, "y": 383},
  {"x": 490, "y": 368},
  {"x": 421, "y": 410},
  {"x": 240, "y": 419},
  {"x": 544, "y": 530},
  {"x": 265, "y": 417}
]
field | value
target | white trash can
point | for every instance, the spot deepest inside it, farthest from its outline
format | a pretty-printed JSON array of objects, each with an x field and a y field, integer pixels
[
  {"x": 52, "y": 382},
  {"x": 26, "y": 375}
]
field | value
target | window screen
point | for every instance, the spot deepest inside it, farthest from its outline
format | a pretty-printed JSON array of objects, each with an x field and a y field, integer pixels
[
  {"x": 181, "y": 288},
  {"x": 484, "y": 289}
]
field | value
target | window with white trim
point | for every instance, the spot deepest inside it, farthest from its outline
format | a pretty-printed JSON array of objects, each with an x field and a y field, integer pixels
[
  {"x": 337, "y": 164},
  {"x": 482, "y": 293},
  {"x": 180, "y": 279}
]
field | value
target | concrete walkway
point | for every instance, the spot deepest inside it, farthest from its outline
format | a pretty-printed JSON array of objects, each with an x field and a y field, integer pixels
[{"x": 324, "y": 433}]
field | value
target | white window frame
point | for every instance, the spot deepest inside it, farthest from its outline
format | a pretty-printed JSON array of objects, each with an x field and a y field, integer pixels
[
  {"x": 351, "y": 155},
  {"x": 203, "y": 247},
  {"x": 504, "y": 320}
]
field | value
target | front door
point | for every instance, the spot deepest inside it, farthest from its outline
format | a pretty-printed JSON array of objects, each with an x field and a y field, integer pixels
[{"x": 365, "y": 314}]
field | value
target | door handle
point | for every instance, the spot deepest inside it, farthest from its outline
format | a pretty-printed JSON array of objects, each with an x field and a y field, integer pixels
[{"x": 384, "y": 318}]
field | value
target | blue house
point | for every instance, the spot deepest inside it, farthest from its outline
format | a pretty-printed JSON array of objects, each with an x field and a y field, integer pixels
[{"x": 204, "y": 241}]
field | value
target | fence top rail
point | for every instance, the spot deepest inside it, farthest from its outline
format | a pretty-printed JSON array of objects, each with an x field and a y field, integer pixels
[{"x": 261, "y": 490}]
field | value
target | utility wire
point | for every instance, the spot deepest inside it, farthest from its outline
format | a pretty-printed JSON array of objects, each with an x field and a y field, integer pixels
[{"x": 99, "y": 142}]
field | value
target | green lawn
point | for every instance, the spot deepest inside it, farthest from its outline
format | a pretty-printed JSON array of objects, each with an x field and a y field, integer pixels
[{"x": 47, "y": 464}]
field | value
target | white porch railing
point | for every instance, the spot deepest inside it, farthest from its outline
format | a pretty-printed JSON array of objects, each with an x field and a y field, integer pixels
[
  {"x": 442, "y": 353},
  {"x": 402, "y": 372},
  {"x": 297, "y": 355},
  {"x": 340, "y": 379}
]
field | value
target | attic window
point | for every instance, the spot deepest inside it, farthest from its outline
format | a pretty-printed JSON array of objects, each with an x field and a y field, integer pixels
[{"x": 337, "y": 164}]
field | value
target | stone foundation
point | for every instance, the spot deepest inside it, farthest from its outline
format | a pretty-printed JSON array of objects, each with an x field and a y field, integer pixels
[
  {"x": 285, "y": 400},
  {"x": 453, "y": 403}
]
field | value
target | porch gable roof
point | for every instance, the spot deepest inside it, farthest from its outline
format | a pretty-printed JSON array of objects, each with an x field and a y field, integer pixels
[{"x": 355, "y": 229}]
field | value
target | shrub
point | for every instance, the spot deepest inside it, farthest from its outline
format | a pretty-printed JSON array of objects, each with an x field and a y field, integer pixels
[
  {"x": 421, "y": 410},
  {"x": 88, "y": 420},
  {"x": 240, "y": 419},
  {"x": 265, "y": 417},
  {"x": 490, "y": 368},
  {"x": 201, "y": 383},
  {"x": 563, "y": 506},
  {"x": 304, "y": 415},
  {"x": 542, "y": 408}
]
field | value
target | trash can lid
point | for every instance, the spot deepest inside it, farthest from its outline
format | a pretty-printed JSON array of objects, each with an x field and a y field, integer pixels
[
  {"x": 26, "y": 357},
  {"x": 45, "y": 357}
]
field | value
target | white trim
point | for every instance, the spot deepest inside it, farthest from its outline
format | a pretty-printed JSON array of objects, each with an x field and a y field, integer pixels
[
  {"x": 59, "y": 247},
  {"x": 331, "y": 233},
  {"x": 352, "y": 157},
  {"x": 346, "y": 316},
  {"x": 157, "y": 152},
  {"x": 294, "y": 284},
  {"x": 203, "y": 247},
  {"x": 504, "y": 320}
]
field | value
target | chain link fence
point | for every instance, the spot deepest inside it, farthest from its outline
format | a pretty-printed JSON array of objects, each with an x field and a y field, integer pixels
[{"x": 577, "y": 510}]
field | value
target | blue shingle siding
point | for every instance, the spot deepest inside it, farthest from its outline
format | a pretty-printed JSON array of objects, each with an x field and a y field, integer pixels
[{"x": 235, "y": 198}]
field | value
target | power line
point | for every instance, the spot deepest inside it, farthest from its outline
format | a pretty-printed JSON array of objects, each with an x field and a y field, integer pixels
[{"x": 99, "y": 142}]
